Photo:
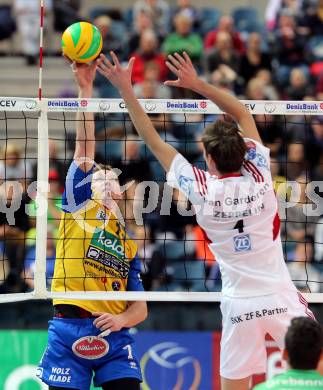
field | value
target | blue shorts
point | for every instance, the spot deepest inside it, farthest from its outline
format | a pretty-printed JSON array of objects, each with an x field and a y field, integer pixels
[{"x": 74, "y": 352}]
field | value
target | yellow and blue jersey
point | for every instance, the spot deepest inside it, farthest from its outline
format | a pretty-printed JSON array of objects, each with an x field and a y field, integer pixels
[{"x": 94, "y": 253}]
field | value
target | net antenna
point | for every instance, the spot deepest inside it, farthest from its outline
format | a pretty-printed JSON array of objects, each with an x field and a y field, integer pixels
[{"x": 46, "y": 106}]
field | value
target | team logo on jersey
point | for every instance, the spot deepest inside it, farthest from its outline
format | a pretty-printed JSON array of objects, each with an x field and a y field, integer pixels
[
  {"x": 242, "y": 243},
  {"x": 261, "y": 161},
  {"x": 108, "y": 242},
  {"x": 186, "y": 184},
  {"x": 115, "y": 264},
  {"x": 115, "y": 285},
  {"x": 251, "y": 154},
  {"x": 90, "y": 347}
]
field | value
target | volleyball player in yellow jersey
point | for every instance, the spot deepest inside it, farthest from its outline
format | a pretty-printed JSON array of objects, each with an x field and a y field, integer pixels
[{"x": 93, "y": 253}]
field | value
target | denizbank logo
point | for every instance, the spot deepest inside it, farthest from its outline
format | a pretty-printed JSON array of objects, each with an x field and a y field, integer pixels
[
  {"x": 186, "y": 106},
  {"x": 305, "y": 107},
  {"x": 108, "y": 243},
  {"x": 72, "y": 105}
]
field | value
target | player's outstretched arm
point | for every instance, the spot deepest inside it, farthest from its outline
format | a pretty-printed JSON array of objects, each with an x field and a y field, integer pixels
[
  {"x": 187, "y": 77},
  {"x": 120, "y": 77},
  {"x": 84, "y": 75}
]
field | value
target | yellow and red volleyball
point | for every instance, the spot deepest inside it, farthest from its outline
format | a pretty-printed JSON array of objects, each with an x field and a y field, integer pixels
[{"x": 82, "y": 42}]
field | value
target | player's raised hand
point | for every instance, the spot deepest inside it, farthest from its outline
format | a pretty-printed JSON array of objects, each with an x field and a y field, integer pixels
[
  {"x": 84, "y": 74},
  {"x": 108, "y": 323},
  {"x": 182, "y": 67},
  {"x": 118, "y": 76}
]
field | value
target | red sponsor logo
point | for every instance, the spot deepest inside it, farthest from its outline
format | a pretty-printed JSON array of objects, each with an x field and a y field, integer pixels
[
  {"x": 84, "y": 103},
  {"x": 203, "y": 104},
  {"x": 90, "y": 347},
  {"x": 321, "y": 106}
]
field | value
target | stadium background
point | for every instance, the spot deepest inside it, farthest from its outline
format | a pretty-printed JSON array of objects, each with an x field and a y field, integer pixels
[{"x": 24, "y": 324}]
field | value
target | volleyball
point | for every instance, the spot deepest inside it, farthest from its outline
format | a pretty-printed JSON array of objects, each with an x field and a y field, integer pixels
[{"x": 81, "y": 42}]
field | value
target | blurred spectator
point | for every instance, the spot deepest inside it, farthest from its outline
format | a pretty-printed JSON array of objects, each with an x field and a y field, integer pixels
[
  {"x": 148, "y": 52},
  {"x": 57, "y": 164},
  {"x": 270, "y": 90},
  {"x": 226, "y": 24},
  {"x": 132, "y": 165},
  {"x": 13, "y": 166},
  {"x": 306, "y": 278},
  {"x": 29, "y": 263},
  {"x": 14, "y": 223},
  {"x": 223, "y": 53},
  {"x": 287, "y": 47},
  {"x": 319, "y": 87},
  {"x": 202, "y": 250},
  {"x": 66, "y": 12},
  {"x": 254, "y": 58},
  {"x": 151, "y": 87},
  {"x": 141, "y": 236},
  {"x": 299, "y": 228},
  {"x": 299, "y": 85},
  {"x": 142, "y": 23},
  {"x": 270, "y": 131},
  {"x": 111, "y": 41},
  {"x": 54, "y": 207},
  {"x": 256, "y": 90},
  {"x": 186, "y": 7},
  {"x": 313, "y": 20},
  {"x": 159, "y": 12},
  {"x": 183, "y": 39},
  {"x": 275, "y": 7},
  {"x": 280, "y": 182},
  {"x": 27, "y": 17},
  {"x": 7, "y": 22},
  {"x": 295, "y": 163}
]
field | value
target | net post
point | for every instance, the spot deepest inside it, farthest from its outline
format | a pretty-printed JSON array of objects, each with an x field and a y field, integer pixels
[{"x": 40, "y": 290}]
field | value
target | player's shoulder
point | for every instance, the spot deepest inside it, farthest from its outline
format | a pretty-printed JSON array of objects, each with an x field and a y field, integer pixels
[{"x": 257, "y": 158}]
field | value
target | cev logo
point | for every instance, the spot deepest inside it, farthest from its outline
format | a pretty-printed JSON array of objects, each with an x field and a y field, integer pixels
[
  {"x": 242, "y": 243},
  {"x": 165, "y": 356}
]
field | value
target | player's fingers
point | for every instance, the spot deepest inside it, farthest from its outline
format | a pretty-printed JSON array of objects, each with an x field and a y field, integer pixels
[
  {"x": 103, "y": 320},
  {"x": 67, "y": 59},
  {"x": 73, "y": 67},
  {"x": 105, "y": 325},
  {"x": 171, "y": 83},
  {"x": 106, "y": 62},
  {"x": 103, "y": 67},
  {"x": 130, "y": 64},
  {"x": 187, "y": 58},
  {"x": 172, "y": 68},
  {"x": 97, "y": 314},
  {"x": 115, "y": 59},
  {"x": 174, "y": 61},
  {"x": 105, "y": 333},
  {"x": 180, "y": 59}
]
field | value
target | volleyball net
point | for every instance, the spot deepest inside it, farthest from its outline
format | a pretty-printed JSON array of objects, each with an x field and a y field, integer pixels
[{"x": 37, "y": 146}]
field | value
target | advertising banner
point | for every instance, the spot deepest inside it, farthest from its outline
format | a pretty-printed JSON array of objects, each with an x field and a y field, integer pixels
[
  {"x": 175, "y": 360},
  {"x": 169, "y": 360}
]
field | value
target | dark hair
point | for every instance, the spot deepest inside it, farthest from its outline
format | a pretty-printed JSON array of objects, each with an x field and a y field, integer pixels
[
  {"x": 223, "y": 142},
  {"x": 304, "y": 343}
]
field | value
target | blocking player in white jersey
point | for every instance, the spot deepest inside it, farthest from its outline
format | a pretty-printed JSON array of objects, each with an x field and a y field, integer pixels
[{"x": 236, "y": 206}]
